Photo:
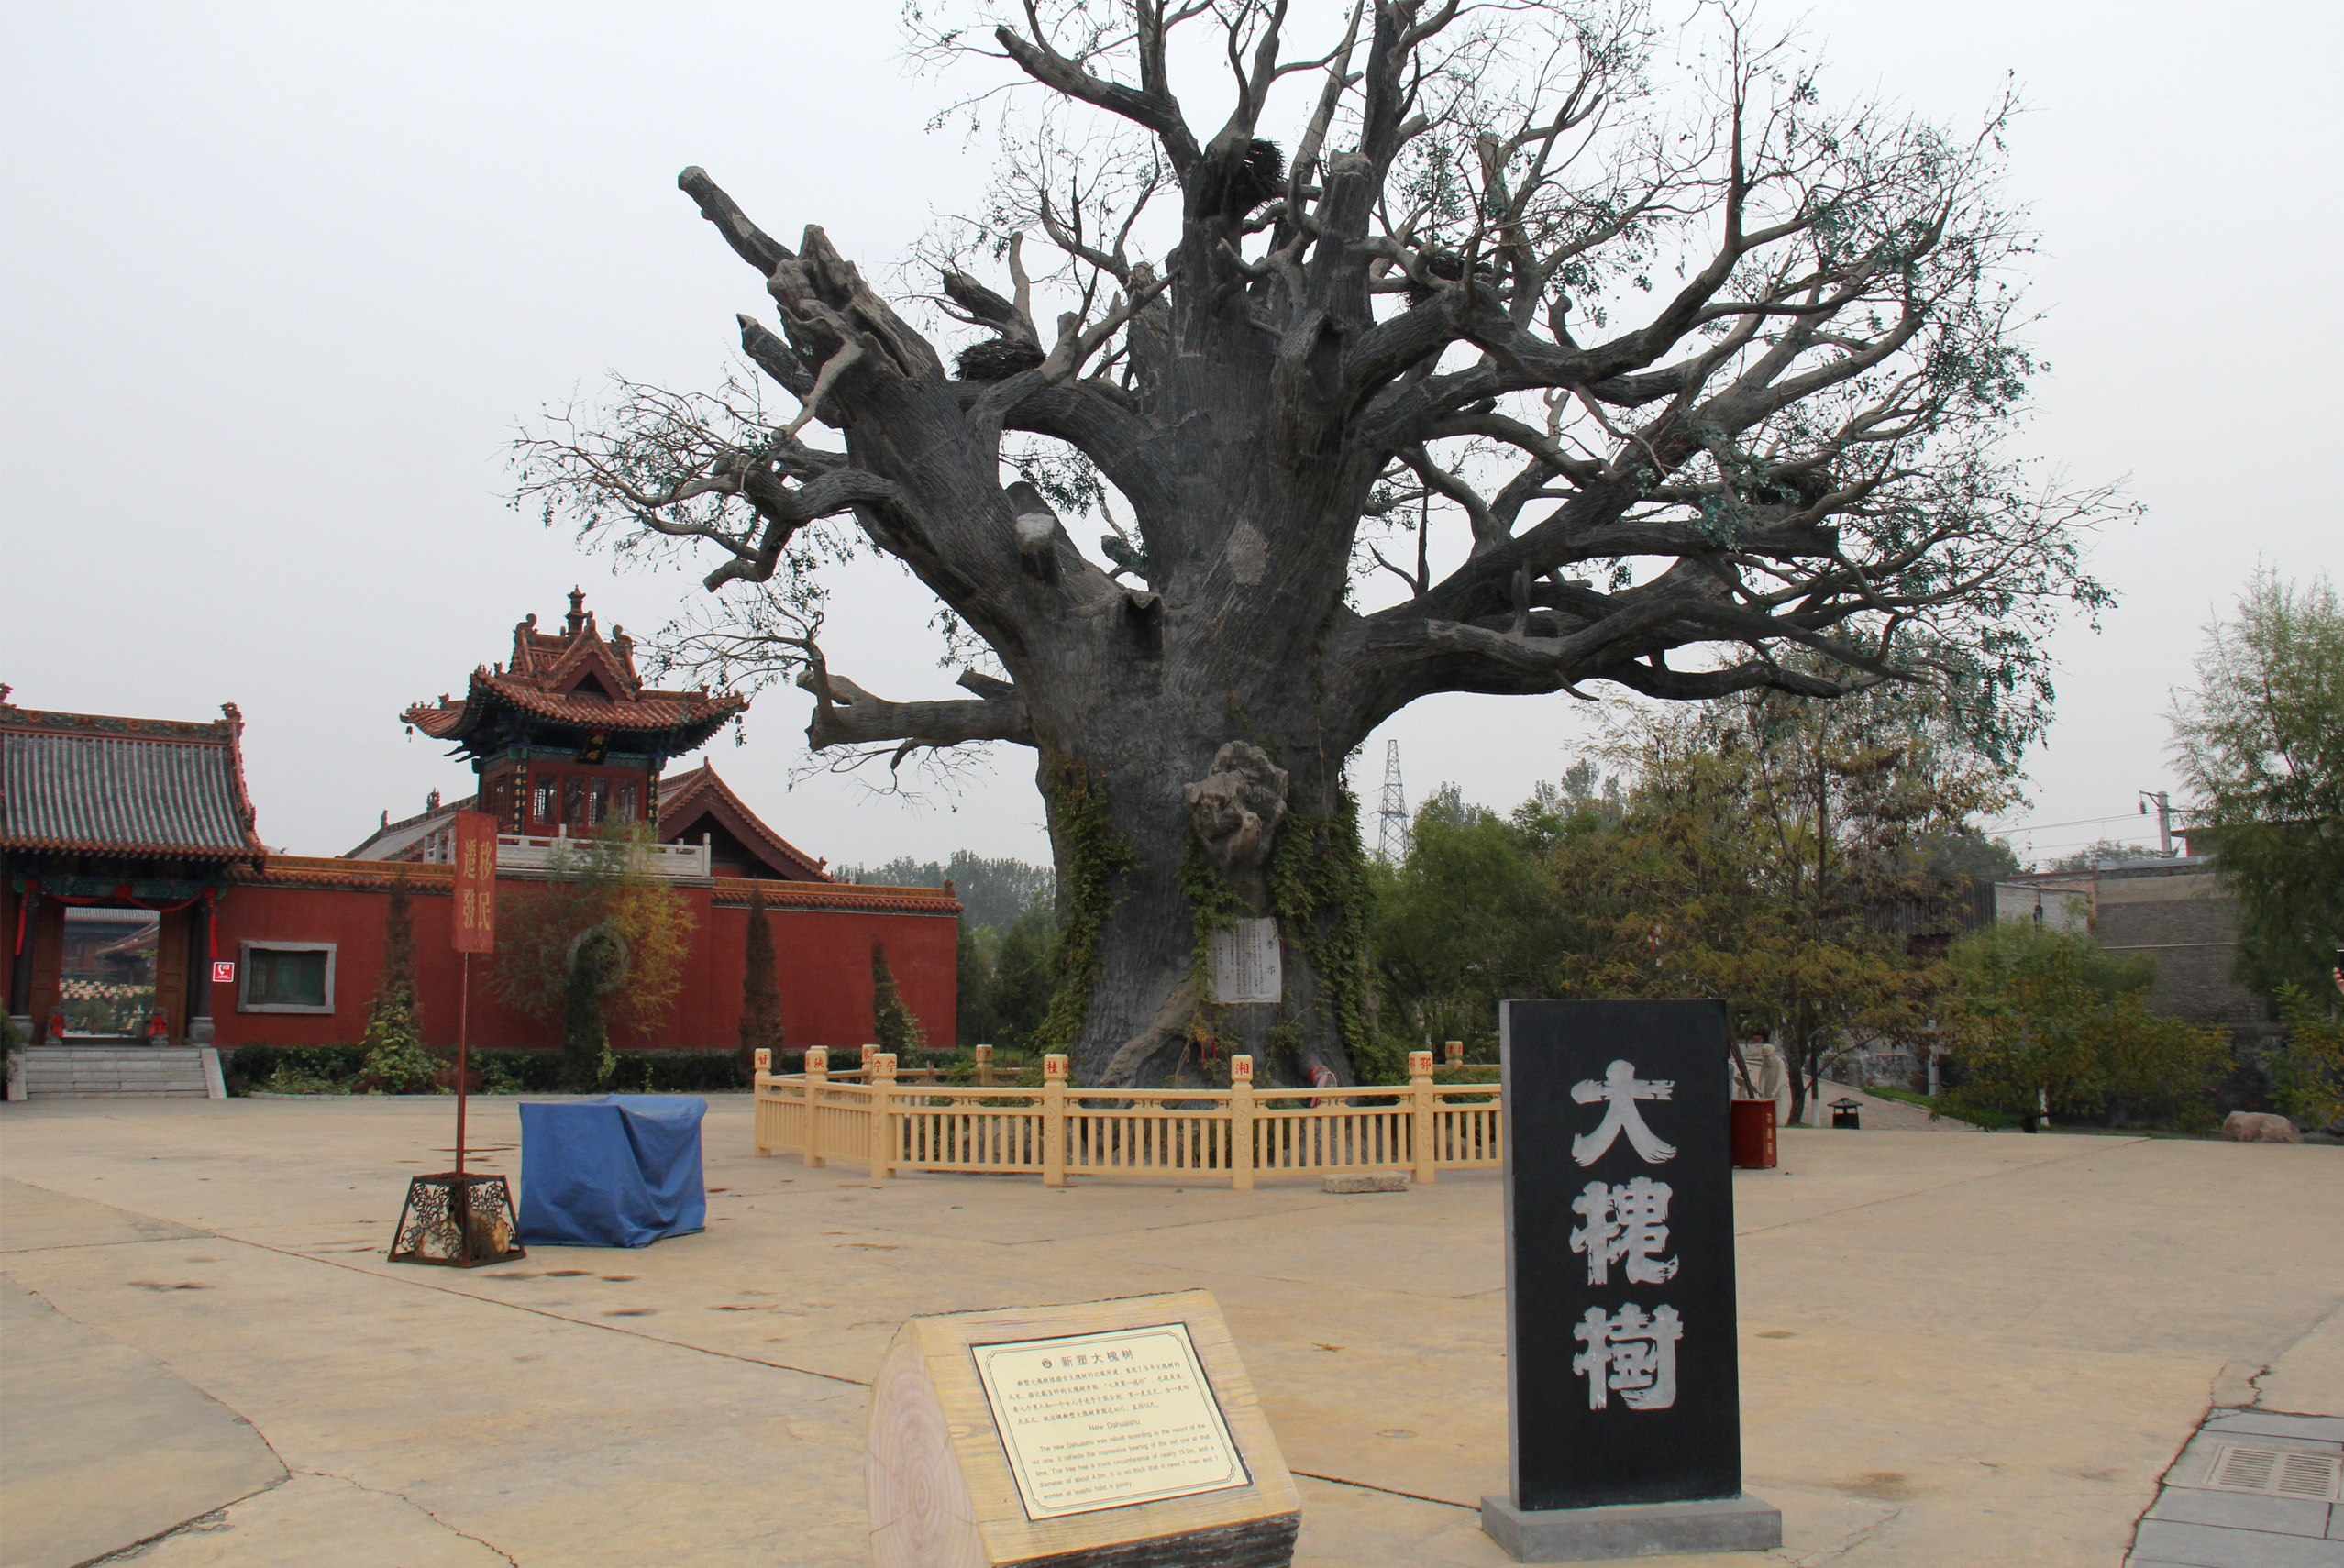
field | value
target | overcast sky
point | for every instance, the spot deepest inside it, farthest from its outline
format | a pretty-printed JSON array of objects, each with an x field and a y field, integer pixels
[{"x": 277, "y": 283}]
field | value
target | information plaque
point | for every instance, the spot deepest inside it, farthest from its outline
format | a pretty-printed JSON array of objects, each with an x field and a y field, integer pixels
[
  {"x": 1098, "y": 1434},
  {"x": 1094, "y": 1422},
  {"x": 1246, "y": 966}
]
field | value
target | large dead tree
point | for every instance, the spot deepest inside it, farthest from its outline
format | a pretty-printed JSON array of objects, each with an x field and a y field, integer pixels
[{"x": 1702, "y": 386}]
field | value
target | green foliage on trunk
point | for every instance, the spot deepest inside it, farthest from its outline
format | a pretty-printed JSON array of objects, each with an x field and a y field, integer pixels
[
  {"x": 1317, "y": 881},
  {"x": 892, "y": 1025},
  {"x": 760, "y": 991},
  {"x": 1095, "y": 856},
  {"x": 1214, "y": 905}
]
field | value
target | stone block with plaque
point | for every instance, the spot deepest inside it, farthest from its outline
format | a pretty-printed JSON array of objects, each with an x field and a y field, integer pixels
[{"x": 1101, "y": 1434}]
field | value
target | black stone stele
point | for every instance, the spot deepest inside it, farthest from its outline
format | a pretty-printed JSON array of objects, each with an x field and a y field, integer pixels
[
  {"x": 459, "y": 1220},
  {"x": 1624, "y": 1381}
]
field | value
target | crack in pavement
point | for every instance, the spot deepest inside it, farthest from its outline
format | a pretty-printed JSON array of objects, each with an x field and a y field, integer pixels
[
  {"x": 1852, "y": 1542},
  {"x": 209, "y": 1520},
  {"x": 401, "y": 1496}
]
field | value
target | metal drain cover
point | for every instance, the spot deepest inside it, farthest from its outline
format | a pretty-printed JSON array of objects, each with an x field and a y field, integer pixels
[{"x": 2277, "y": 1473}]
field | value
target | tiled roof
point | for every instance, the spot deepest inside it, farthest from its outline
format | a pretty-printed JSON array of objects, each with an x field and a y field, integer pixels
[
  {"x": 335, "y": 871},
  {"x": 841, "y": 896},
  {"x": 91, "y": 784},
  {"x": 682, "y": 796},
  {"x": 577, "y": 678},
  {"x": 396, "y": 841}
]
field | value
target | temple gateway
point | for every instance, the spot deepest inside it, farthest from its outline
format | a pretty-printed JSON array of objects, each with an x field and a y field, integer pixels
[{"x": 149, "y": 924}]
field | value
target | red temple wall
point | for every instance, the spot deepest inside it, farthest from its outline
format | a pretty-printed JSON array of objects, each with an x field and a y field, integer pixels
[{"x": 822, "y": 961}]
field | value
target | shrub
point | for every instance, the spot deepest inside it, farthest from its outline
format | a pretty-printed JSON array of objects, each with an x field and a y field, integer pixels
[
  {"x": 2307, "y": 1070},
  {"x": 396, "y": 1061}
]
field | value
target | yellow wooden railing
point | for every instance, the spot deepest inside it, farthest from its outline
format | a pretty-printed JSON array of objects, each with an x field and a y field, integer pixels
[{"x": 886, "y": 1122}]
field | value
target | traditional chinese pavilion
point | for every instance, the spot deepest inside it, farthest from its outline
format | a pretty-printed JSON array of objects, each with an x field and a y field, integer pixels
[{"x": 564, "y": 735}]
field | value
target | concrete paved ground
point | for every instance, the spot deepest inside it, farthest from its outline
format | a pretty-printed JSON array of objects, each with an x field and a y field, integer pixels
[{"x": 1982, "y": 1349}]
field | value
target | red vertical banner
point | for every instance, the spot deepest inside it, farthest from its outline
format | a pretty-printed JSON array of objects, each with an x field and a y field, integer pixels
[{"x": 475, "y": 924}]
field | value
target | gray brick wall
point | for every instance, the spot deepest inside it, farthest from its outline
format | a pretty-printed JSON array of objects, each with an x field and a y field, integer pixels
[{"x": 2178, "y": 915}]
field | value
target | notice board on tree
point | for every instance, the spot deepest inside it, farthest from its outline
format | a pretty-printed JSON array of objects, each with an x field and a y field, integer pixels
[
  {"x": 1624, "y": 1383},
  {"x": 1077, "y": 1435},
  {"x": 475, "y": 924}
]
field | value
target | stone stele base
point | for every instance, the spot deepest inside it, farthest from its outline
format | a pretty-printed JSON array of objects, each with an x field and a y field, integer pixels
[{"x": 1631, "y": 1529}]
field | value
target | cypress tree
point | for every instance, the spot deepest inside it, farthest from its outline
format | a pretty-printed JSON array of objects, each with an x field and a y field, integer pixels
[
  {"x": 586, "y": 1058},
  {"x": 399, "y": 952},
  {"x": 892, "y": 1025},
  {"x": 760, "y": 992}
]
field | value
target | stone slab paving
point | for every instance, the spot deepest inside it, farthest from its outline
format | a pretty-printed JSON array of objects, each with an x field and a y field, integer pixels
[
  {"x": 2196, "y": 1523},
  {"x": 1980, "y": 1350}
]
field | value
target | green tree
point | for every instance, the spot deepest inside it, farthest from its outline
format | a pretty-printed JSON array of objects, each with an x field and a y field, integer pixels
[
  {"x": 396, "y": 1060},
  {"x": 892, "y": 1025},
  {"x": 597, "y": 966},
  {"x": 2104, "y": 852},
  {"x": 760, "y": 991},
  {"x": 1025, "y": 974},
  {"x": 631, "y": 970},
  {"x": 975, "y": 1021},
  {"x": 1793, "y": 851},
  {"x": 992, "y": 892},
  {"x": 1472, "y": 916},
  {"x": 2048, "y": 1019},
  {"x": 2259, "y": 742}
]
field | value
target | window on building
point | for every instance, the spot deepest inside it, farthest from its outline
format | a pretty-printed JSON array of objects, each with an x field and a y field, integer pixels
[
  {"x": 286, "y": 976},
  {"x": 573, "y": 802},
  {"x": 544, "y": 813},
  {"x": 626, "y": 810}
]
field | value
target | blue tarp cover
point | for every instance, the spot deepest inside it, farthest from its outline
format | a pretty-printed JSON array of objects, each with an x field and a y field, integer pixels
[{"x": 621, "y": 1171}]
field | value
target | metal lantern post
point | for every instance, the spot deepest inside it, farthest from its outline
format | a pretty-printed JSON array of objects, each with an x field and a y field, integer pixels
[{"x": 451, "y": 1218}]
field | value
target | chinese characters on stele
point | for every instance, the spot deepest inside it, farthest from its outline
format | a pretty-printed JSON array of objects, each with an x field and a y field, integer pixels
[{"x": 1623, "y": 1231}]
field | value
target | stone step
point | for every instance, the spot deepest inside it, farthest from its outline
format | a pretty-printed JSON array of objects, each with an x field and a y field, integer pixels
[{"x": 172, "y": 1072}]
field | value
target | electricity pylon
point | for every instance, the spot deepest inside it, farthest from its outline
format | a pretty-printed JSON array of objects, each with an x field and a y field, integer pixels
[{"x": 1391, "y": 833}]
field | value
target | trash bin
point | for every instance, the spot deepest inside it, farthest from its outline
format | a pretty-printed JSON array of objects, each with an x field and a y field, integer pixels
[
  {"x": 1752, "y": 1128},
  {"x": 1844, "y": 1113}
]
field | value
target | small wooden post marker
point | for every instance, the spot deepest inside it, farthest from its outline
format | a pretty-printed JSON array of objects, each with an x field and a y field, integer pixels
[{"x": 1104, "y": 1434}]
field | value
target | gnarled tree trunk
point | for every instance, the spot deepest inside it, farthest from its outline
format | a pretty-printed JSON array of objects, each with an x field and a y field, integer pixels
[{"x": 1795, "y": 436}]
